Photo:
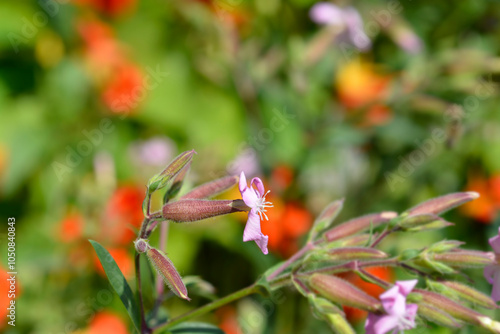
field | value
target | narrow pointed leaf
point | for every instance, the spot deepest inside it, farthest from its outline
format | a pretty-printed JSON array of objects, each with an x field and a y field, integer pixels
[{"x": 118, "y": 282}]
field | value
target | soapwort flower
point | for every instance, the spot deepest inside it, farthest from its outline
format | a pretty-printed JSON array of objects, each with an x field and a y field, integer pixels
[
  {"x": 255, "y": 198},
  {"x": 399, "y": 315}
]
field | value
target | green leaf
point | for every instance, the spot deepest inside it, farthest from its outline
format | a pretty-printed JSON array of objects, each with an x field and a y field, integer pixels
[
  {"x": 195, "y": 327},
  {"x": 118, "y": 282}
]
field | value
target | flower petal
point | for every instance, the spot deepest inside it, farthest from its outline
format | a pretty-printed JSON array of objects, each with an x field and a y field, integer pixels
[
  {"x": 243, "y": 182},
  {"x": 405, "y": 287},
  {"x": 380, "y": 324},
  {"x": 253, "y": 232},
  {"x": 260, "y": 186},
  {"x": 495, "y": 243},
  {"x": 495, "y": 293},
  {"x": 490, "y": 272},
  {"x": 249, "y": 195}
]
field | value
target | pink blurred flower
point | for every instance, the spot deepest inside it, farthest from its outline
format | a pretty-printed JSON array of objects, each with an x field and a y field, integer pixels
[
  {"x": 246, "y": 161},
  {"x": 156, "y": 152},
  {"x": 348, "y": 19},
  {"x": 400, "y": 316},
  {"x": 255, "y": 198},
  {"x": 492, "y": 272}
]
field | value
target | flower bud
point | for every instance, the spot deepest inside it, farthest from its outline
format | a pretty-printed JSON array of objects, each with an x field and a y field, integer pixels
[
  {"x": 470, "y": 294},
  {"x": 355, "y": 253},
  {"x": 449, "y": 306},
  {"x": 200, "y": 286},
  {"x": 442, "y": 204},
  {"x": 167, "y": 271},
  {"x": 359, "y": 224},
  {"x": 444, "y": 246},
  {"x": 490, "y": 324},
  {"x": 326, "y": 217},
  {"x": 160, "y": 180},
  {"x": 465, "y": 258},
  {"x": 321, "y": 305},
  {"x": 423, "y": 222},
  {"x": 339, "y": 324},
  {"x": 339, "y": 291},
  {"x": 212, "y": 188},
  {"x": 141, "y": 246},
  {"x": 437, "y": 316},
  {"x": 188, "y": 210}
]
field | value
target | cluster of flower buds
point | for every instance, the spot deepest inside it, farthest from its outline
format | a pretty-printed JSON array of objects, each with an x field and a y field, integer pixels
[
  {"x": 197, "y": 205},
  {"x": 350, "y": 246}
]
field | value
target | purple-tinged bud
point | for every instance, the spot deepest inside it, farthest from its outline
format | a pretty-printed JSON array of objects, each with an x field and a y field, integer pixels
[
  {"x": 437, "y": 316},
  {"x": 442, "y": 204},
  {"x": 449, "y": 306},
  {"x": 355, "y": 253},
  {"x": 326, "y": 217},
  {"x": 212, "y": 188},
  {"x": 189, "y": 210},
  {"x": 339, "y": 291},
  {"x": 470, "y": 294},
  {"x": 358, "y": 225},
  {"x": 160, "y": 180},
  {"x": 141, "y": 246},
  {"x": 465, "y": 258},
  {"x": 167, "y": 271},
  {"x": 423, "y": 222}
]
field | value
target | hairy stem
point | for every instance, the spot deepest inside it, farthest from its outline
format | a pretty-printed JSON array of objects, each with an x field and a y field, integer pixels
[
  {"x": 144, "y": 326},
  {"x": 208, "y": 307}
]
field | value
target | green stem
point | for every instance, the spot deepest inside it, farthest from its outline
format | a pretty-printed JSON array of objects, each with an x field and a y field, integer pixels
[
  {"x": 307, "y": 247},
  {"x": 209, "y": 307}
]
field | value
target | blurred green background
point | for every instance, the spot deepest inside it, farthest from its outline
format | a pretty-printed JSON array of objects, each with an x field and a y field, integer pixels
[{"x": 96, "y": 96}]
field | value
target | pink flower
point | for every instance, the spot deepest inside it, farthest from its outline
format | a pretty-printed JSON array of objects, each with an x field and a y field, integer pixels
[
  {"x": 348, "y": 19},
  {"x": 255, "y": 198},
  {"x": 492, "y": 272},
  {"x": 400, "y": 316}
]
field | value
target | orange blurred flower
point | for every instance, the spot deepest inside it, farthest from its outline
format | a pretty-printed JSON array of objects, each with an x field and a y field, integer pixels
[
  {"x": 71, "y": 227},
  {"x": 282, "y": 177},
  {"x": 109, "y": 7},
  {"x": 360, "y": 86},
  {"x": 4, "y": 295},
  {"x": 287, "y": 223},
  {"x": 106, "y": 322},
  {"x": 384, "y": 273},
  {"x": 483, "y": 209},
  {"x": 103, "y": 52},
  {"x": 120, "y": 79},
  {"x": 125, "y": 89},
  {"x": 228, "y": 320},
  {"x": 123, "y": 214},
  {"x": 122, "y": 258}
]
